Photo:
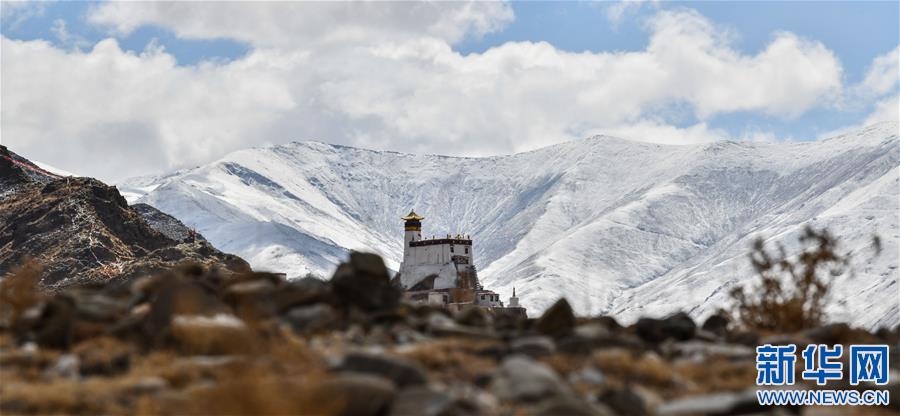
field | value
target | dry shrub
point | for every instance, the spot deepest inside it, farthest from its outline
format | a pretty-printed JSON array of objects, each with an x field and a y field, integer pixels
[
  {"x": 792, "y": 292},
  {"x": 19, "y": 291}
]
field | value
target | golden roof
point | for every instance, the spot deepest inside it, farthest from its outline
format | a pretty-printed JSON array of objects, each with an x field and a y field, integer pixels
[{"x": 412, "y": 216}]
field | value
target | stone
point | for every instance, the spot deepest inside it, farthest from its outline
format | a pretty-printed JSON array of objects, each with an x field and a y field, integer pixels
[
  {"x": 607, "y": 321},
  {"x": 716, "y": 324},
  {"x": 558, "y": 320},
  {"x": 66, "y": 366},
  {"x": 312, "y": 318},
  {"x": 522, "y": 378},
  {"x": 534, "y": 346},
  {"x": 740, "y": 403},
  {"x": 363, "y": 282},
  {"x": 99, "y": 308},
  {"x": 300, "y": 292},
  {"x": 474, "y": 316},
  {"x": 401, "y": 371},
  {"x": 441, "y": 325},
  {"x": 354, "y": 394},
  {"x": 593, "y": 331},
  {"x": 49, "y": 324},
  {"x": 679, "y": 327},
  {"x": 625, "y": 401},
  {"x": 569, "y": 406},
  {"x": 423, "y": 401},
  {"x": 588, "y": 337},
  {"x": 177, "y": 296},
  {"x": 749, "y": 338},
  {"x": 702, "y": 351},
  {"x": 588, "y": 375},
  {"x": 148, "y": 385}
]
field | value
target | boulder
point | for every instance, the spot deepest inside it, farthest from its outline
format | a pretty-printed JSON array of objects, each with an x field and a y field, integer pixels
[
  {"x": 311, "y": 318},
  {"x": 557, "y": 321},
  {"x": 353, "y": 394},
  {"x": 420, "y": 400},
  {"x": 742, "y": 403},
  {"x": 534, "y": 346},
  {"x": 679, "y": 327},
  {"x": 522, "y": 378},
  {"x": 363, "y": 282},
  {"x": 401, "y": 371},
  {"x": 716, "y": 324},
  {"x": 569, "y": 406}
]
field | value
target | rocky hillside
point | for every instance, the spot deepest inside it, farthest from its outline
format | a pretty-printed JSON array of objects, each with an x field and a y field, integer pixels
[
  {"x": 195, "y": 342},
  {"x": 83, "y": 231}
]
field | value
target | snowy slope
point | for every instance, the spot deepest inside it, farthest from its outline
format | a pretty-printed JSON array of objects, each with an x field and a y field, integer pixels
[{"x": 616, "y": 226}]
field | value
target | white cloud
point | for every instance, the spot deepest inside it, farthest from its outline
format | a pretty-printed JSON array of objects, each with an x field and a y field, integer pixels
[
  {"x": 617, "y": 10},
  {"x": 879, "y": 90},
  {"x": 402, "y": 88},
  {"x": 66, "y": 38},
  {"x": 883, "y": 75},
  {"x": 301, "y": 24},
  {"x": 14, "y": 13},
  {"x": 887, "y": 109}
]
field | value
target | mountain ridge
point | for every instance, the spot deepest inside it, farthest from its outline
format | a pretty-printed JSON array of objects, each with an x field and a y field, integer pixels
[{"x": 601, "y": 216}]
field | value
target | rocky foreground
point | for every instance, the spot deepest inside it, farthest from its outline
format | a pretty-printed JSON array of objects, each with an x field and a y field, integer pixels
[
  {"x": 195, "y": 341},
  {"x": 84, "y": 231}
]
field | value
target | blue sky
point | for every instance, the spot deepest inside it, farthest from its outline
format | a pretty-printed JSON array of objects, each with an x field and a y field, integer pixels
[{"x": 856, "y": 33}]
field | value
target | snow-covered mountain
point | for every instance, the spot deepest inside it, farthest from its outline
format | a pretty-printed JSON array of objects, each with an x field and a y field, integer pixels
[{"x": 621, "y": 227}]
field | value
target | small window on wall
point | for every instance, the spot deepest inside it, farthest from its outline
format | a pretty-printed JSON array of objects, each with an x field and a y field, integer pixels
[
  {"x": 467, "y": 250},
  {"x": 451, "y": 249}
]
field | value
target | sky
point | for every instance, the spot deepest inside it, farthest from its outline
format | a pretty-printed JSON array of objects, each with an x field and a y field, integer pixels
[{"x": 115, "y": 90}]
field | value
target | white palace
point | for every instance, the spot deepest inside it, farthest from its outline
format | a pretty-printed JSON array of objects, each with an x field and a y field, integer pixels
[{"x": 442, "y": 271}]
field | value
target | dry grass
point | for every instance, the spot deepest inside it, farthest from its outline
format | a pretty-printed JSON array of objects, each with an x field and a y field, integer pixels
[
  {"x": 628, "y": 367},
  {"x": 454, "y": 358},
  {"x": 792, "y": 292},
  {"x": 716, "y": 375},
  {"x": 214, "y": 338},
  {"x": 19, "y": 291}
]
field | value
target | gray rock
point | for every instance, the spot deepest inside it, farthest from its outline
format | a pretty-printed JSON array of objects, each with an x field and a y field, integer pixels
[
  {"x": 716, "y": 324},
  {"x": 99, "y": 308},
  {"x": 355, "y": 394},
  {"x": 474, "y": 316},
  {"x": 49, "y": 324},
  {"x": 305, "y": 291},
  {"x": 311, "y": 318},
  {"x": 748, "y": 338},
  {"x": 569, "y": 406},
  {"x": 589, "y": 375},
  {"x": 401, "y": 371},
  {"x": 148, "y": 385},
  {"x": 420, "y": 400},
  {"x": 66, "y": 366},
  {"x": 594, "y": 335},
  {"x": 714, "y": 404},
  {"x": 534, "y": 346},
  {"x": 625, "y": 401},
  {"x": 522, "y": 378},
  {"x": 702, "y": 351},
  {"x": 364, "y": 282},
  {"x": 679, "y": 326},
  {"x": 442, "y": 325}
]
